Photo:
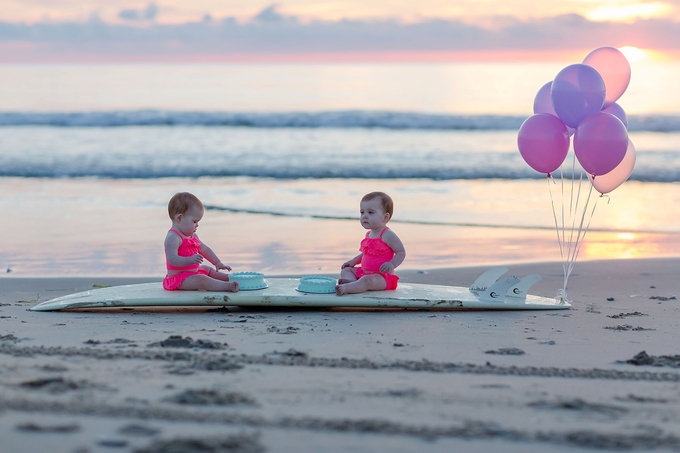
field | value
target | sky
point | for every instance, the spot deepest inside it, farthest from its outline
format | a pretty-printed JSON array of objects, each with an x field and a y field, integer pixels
[
  {"x": 291, "y": 30},
  {"x": 181, "y": 11}
]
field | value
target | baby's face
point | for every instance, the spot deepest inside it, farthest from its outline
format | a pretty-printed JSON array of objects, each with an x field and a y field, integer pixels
[
  {"x": 372, "y": 214},
  {"x": 188, "y": 223}
]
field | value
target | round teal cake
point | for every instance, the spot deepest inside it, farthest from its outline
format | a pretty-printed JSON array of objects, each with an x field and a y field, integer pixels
[
  {"x": 248, "y": 280},
  {"x": 317, "y": 284}
]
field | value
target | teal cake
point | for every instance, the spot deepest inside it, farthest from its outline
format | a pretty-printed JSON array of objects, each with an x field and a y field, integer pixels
[
  {"x": 317, "y": 284},
  {"x": 248, "y": 280}
]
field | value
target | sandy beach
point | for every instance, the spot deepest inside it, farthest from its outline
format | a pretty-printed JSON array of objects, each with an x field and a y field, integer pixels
[{"x": 245, "y": 380}]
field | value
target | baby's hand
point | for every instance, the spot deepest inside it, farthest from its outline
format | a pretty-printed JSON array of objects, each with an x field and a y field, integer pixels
[
  {"x": 196, "y": 259},
  {"x": 219, "y": 266},
  {"x": 387, "y": 268},
  {"x": 347, "y": 264}
]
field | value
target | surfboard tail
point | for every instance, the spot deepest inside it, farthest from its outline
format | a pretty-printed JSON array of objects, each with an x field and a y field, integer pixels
[{"x": 509, "y": 290}]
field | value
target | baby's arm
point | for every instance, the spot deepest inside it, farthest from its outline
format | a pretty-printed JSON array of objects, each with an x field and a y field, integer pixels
[
  {"x": 391, "y": 239},
  {"x": 172, "y": 243},
  {"x": 353, "y": 262},
  {"x": 212, "y": 257}
]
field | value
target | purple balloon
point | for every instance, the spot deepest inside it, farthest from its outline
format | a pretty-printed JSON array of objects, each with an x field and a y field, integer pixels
[
  {"x": 616, "y": 110},
  {"x": 600, "y": 143},
  {"x": 577, "y": 92},
  {"x": 543, "y": 103},
  {"x": 543, "y": 142}
]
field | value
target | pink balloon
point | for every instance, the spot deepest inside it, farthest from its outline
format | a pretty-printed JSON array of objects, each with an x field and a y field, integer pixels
[
  {"x": 600, "y": 143},
  {"x": 614, "y": 69},
  {"x": 577, "y": 92},
  {"x": 619, "y": 175},
  {"x": 543, "y": 142},
  {"x": 616, "y": 110}
]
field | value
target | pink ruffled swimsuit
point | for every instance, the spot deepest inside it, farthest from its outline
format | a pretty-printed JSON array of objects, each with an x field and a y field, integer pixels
[
  {"x": 188, "y": 247},
  {"x": 375, "y": 253}
]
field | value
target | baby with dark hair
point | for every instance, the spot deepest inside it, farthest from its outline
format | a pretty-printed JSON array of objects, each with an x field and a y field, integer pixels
[{"x": 184, "y": 252}]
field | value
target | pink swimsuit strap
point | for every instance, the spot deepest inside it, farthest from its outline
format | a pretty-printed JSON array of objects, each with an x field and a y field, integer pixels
[
  {"x": 379, "y": 236},
  {"x": 375, "y": 245},
  {"x": 189, "y": 246}
]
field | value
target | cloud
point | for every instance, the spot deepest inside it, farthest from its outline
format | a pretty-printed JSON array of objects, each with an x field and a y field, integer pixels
[
  {"x": 271, "y": 15},
  {"x": 149, "y": 13},
  {"x": 273, "y": 33}
]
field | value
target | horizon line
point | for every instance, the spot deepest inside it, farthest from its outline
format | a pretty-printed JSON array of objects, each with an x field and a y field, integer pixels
[{"x": 18, "y": 55}]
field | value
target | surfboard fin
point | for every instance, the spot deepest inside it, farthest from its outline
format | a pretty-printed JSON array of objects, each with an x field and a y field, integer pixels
[
  {"x": 518, "y": 293},
  {"x": 487, "y": 279},
  {"x": 509, "y": 290},
  {"x": 497, "y": 291}
]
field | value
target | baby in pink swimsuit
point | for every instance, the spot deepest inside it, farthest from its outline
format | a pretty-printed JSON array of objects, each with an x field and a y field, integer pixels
[
  {"x": 381, "y": 250},
  {"x": 184, "y": 252}
]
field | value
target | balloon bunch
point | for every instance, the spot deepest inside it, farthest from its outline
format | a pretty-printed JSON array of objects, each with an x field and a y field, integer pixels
[{"x": 581, "y": 101}]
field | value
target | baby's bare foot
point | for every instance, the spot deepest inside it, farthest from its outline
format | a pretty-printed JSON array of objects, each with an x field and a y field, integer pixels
[
  {"x": 342, "y": 281},
  {"x": 340, "y": 289},
  {"x": 233, "y": 287}
]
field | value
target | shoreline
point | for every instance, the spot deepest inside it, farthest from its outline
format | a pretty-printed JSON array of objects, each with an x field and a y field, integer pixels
[{"x": 301, "y": 243}]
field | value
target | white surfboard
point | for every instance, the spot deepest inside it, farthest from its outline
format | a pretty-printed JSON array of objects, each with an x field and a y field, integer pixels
[{"x": 485, "y": 293}]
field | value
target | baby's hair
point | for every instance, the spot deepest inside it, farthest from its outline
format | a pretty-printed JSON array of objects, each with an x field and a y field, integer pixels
[
  {"x": 387, "y": 203},
  {"x": 181, "y": 202}
]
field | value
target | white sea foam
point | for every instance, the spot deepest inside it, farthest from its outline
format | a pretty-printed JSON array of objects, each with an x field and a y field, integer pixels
[
  {"x": 149, "y": 152},
  {"x": 331, "y": 119}
]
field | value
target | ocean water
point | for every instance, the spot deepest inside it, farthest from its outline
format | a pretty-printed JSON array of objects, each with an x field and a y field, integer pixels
[{"x": 281, "y": 155}]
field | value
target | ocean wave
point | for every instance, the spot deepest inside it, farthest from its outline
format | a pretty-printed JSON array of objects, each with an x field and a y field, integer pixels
[
  {"x": 510, "y": 172},
  {"x": 333, "y": 119},
  {"x": 128, "y": 172}
]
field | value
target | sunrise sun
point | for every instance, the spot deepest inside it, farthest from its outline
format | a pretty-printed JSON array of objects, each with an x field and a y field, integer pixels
[{"x": 633, "y": 54}]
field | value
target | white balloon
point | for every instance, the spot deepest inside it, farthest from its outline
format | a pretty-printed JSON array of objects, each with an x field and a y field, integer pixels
[{"x": 610, "y": 181}]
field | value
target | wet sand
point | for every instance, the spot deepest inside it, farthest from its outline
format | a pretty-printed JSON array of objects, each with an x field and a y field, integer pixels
[{"x": 248, "y": 380}]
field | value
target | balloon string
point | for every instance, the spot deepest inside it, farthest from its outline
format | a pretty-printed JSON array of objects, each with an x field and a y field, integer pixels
[
  {"x": 581, "y": 234},
  {"x": 573, "y": 172},
  {"x": 585, "y": 230},
  {"x": 557, "y": 228},
  {"x": 571, "y": 216},
  {"x": 559, "y": 224},
  {"x": 573, "y": 208},
  {"x": 570, "y": 242},
  {"x": 562, "y": 218}
]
